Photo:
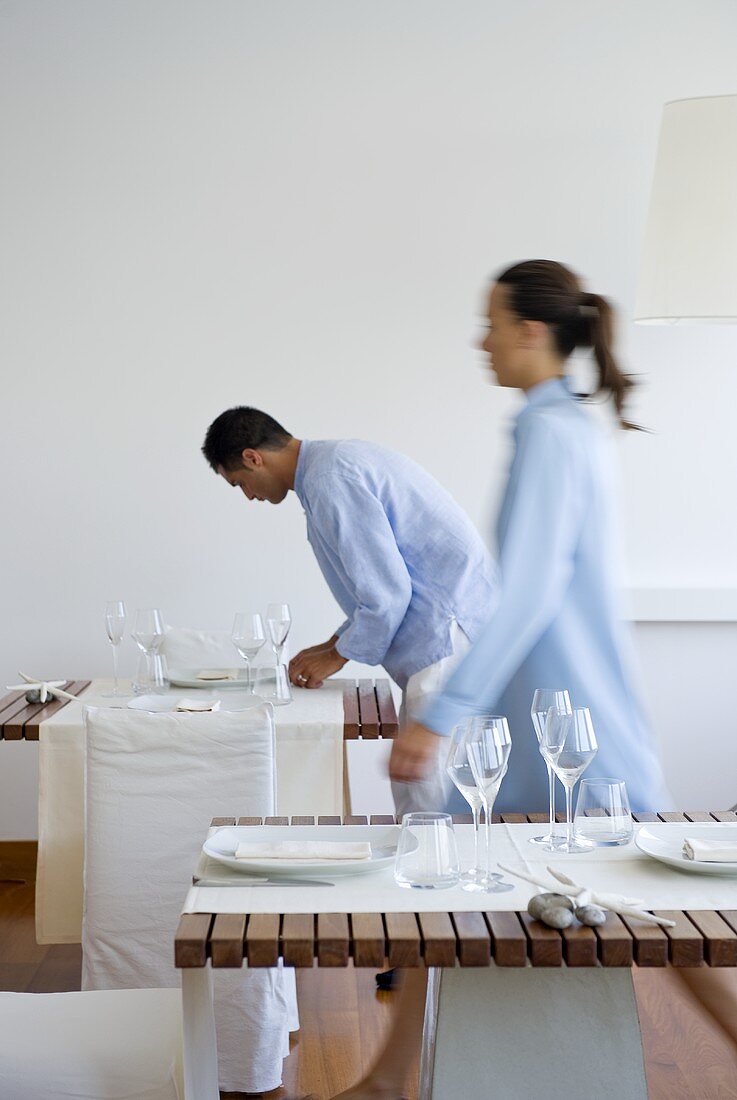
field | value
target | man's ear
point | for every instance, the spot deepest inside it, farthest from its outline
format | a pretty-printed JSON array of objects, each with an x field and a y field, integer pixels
[
  {"x": 533, "y": 334},
  {"x": 252, "y": 460}
]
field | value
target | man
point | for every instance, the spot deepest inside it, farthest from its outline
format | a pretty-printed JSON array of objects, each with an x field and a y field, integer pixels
[{"x": 401, "y": 558}]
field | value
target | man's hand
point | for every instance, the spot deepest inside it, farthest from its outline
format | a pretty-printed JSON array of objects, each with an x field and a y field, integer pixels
[
  {"x": 312, "y": 666},
  {"x": 413, "y": 753}
]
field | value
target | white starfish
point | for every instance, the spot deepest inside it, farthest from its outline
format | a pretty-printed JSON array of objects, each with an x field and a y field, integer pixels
[{"x": 47, "y": 689}]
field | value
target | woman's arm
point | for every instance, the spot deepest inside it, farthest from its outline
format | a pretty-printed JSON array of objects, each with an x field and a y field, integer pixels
[{"x": 545, "y": 514}]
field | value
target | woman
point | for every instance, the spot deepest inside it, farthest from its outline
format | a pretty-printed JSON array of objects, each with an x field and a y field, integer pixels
[{"x": 557, "y": 621}]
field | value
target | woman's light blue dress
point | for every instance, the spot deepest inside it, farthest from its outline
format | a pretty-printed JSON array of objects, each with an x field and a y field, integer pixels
[{"x": 558, "y": 621}]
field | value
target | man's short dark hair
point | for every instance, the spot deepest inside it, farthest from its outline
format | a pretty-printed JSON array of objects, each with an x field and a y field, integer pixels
[{"x": 238, "y": 430}]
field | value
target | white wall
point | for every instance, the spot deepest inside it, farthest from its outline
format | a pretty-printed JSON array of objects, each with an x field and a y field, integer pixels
[{"x": 296, "y": 205}]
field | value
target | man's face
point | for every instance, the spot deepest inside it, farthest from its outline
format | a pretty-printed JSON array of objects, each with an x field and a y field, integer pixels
[{"x": 255, "y": 478}]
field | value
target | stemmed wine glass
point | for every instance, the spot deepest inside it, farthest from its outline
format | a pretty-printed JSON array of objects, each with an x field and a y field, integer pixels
[
  {"x": 115, "y": 627},
  {"x": 488, "y": 745},
  {"x": 542, "y": 701},
  {"x": 148, "y": 634},
  {"x": 458, "y": 768},
  {"x": 569, "y": 744},
  {"x": 278, "y": 624},
  {"x": 248, "y": 636}
]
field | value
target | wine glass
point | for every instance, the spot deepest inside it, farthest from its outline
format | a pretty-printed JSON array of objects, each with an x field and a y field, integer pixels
[
  {"x": 115, "y": 627},
  {"x": 458, "y": 767},
  {"x": 488, "y": 745},
  {"x": 542, "y": 701},
  {"x": 248, "y": 636},
  {"x": 278, "y": 623},
  {"x": 569, "y": 744},
  {"x": 148, "y": 634}
]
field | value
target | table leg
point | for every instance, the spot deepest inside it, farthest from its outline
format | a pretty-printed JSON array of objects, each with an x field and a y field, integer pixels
[
  {"x": 565, "y": 1034},
  {"x": 198, "y": 1035}
]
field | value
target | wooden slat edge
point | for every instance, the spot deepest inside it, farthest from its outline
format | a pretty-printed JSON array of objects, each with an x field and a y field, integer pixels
[
  {"x": 190, "y": 941},
  {"x": 388, "y": 721},
  {"x": 351, "y": 713},
  {"x": 226, "y": 939}
]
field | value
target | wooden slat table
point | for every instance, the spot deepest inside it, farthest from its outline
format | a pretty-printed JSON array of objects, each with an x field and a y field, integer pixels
[
  {"x": 509, "y": 999},
  {"x": 20, "y": 721},
  {"x": 463, "y": 939},
  {"x": 368, "y": 709}
]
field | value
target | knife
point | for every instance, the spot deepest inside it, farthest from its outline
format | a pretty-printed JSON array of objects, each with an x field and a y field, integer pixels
[{"x": 217, "y": 883}]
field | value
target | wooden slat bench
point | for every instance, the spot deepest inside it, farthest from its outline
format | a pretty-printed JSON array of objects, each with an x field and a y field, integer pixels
[{"x": 510, "y": 939}]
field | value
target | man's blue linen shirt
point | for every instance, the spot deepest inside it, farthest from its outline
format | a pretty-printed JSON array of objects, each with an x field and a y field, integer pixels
[{"x": 401, "y": 558}]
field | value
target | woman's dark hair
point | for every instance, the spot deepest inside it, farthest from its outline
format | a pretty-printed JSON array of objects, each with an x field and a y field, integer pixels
[
  {"x": 240, "y": 429},
  {"x": 543, "y": 290}
]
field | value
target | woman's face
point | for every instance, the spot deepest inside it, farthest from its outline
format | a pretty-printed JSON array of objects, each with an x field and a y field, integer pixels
[{"x": 503, "y": 338}]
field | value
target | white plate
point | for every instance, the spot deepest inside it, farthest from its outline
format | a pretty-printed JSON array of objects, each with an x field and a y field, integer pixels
[
  {"x": 162, "y": 704},
  {"x": 187, "y": 678},
  {"x": 665, "y": 843},
  {"x": 383, "y": 839}
]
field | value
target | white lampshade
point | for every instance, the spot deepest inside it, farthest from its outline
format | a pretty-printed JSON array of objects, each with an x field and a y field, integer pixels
[{"x": 689, "y": 263}]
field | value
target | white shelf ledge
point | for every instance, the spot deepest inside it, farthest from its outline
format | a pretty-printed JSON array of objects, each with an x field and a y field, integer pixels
[{"x": 683, "y": 605}]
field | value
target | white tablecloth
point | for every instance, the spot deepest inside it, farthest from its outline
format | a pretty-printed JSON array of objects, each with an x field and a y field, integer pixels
[
  {"x": 615, "y": 870},
  {"x": 309, "y": 757}
]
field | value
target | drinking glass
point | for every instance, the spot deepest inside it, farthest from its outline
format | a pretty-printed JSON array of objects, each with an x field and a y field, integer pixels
[
  {"x": 603, "y": 817},
  {"x": 458, "y": 767},
  {"x": 248, "y": 636},
  {"x": 427, "y": 856},
  {"x": 542, "y": 701},
  {"x": 569, "y": 744},
  {"x": 278, "y": 624},
  {"x": 148, "y": 634},
  {"x": 115, "y": 627},
  {"x": 488, "y": 745},
  {"x": 282, "y": 693}
]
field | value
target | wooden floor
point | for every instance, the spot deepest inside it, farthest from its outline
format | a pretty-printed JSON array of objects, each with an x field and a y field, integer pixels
[{"x": 344, "y": 1019}]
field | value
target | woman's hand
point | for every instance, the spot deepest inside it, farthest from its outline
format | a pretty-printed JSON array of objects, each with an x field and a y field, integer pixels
[
  {"x": 312, "y": 666},
  {"x": 414, "y": 753}
]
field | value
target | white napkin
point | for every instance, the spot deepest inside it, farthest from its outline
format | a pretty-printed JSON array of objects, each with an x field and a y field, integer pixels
[
  {"x": 191, "y": 705},
  {"x": 710, "y": 851},
  {"x": 215, "y": 674},
  {"x": 304, "y": 850}
]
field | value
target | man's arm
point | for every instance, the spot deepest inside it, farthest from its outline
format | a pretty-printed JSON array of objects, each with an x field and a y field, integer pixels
[{"x": 354, "y": 526}]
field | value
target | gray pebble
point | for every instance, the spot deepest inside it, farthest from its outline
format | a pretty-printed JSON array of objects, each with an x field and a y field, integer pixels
[
  {"x": 591, "y": 915},
  {"x": 536, "y": 905},
  {"x": 33, "y": 695},
  {"x": 556, "y": 916}
]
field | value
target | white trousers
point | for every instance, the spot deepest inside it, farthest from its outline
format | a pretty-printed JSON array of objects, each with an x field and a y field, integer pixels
[{"x": 431, "y": 793}]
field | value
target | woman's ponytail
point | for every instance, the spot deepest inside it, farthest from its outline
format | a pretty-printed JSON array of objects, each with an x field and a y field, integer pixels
[{"x": 598, "y": 317}]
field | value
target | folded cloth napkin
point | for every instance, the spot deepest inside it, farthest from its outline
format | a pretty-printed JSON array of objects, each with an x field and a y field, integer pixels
[
  {"x": 215, "y": 674},
  {"x": 710, "y": 851},
  {"x": 304, "y": 850},
  {"x": 198, "y": 704}
]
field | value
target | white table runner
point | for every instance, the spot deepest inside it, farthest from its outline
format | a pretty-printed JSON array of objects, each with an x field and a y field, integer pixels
[
  {"x": 309, "y": 764},
  {"x": 614, "y": 870}
]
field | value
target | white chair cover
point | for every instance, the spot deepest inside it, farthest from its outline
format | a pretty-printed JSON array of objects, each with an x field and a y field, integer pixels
[
  {"x": 153, "y": 782},
  {"x": 118, "y": 1045},
  {"x": 187, "y": 648}
]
